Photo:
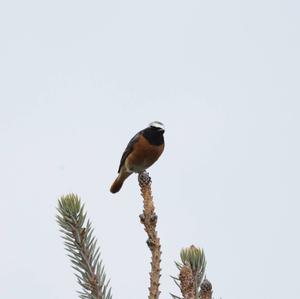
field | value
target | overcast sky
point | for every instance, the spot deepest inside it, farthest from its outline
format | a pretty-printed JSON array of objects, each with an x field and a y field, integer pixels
[{"x": 80, "y": 78}]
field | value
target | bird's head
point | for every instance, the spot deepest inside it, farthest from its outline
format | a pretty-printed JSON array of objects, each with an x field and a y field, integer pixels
[{"x": 158, "y": 126}]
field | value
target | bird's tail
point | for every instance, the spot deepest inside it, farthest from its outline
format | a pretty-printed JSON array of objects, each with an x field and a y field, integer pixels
[{"x": 117, "y": 184}]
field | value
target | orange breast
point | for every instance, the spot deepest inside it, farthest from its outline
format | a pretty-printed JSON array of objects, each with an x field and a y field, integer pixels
[{"x": 143, "y": 155}]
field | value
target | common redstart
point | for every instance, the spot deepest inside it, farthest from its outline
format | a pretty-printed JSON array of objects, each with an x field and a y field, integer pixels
[{"x": 141, "y": 152}]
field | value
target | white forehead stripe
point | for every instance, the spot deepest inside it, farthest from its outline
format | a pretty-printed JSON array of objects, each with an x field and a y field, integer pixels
[{"x": 157, "y": 124}]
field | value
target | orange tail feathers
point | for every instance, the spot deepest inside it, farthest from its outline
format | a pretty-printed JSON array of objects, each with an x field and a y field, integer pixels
[{"x": 117, "y": 184}]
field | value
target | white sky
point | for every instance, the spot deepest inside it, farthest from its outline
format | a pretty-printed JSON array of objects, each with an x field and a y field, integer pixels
[{"x": 80, "y": 78}]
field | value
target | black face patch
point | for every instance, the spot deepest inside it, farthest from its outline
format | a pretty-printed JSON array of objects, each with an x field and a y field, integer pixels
[{"x": 154, "y": 135}]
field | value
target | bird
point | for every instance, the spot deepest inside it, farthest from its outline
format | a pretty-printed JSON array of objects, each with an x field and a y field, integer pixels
[{"x": 141, "y": 152}]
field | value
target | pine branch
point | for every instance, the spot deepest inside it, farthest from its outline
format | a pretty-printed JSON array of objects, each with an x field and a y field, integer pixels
[
  {"x": 149, "y": 220},
  {"x": 191, "y": 274},
  {"x": 82, "y": 248}
]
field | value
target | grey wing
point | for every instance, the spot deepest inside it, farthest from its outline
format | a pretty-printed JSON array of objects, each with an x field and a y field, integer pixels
[{"x": 128, "y": 149}]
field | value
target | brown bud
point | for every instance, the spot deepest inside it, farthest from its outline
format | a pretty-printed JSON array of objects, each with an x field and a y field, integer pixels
[
  {"x": 206, "y": 289},
  {"x": 144, "y": 179},
  {"x": 187, "y": 283}
]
